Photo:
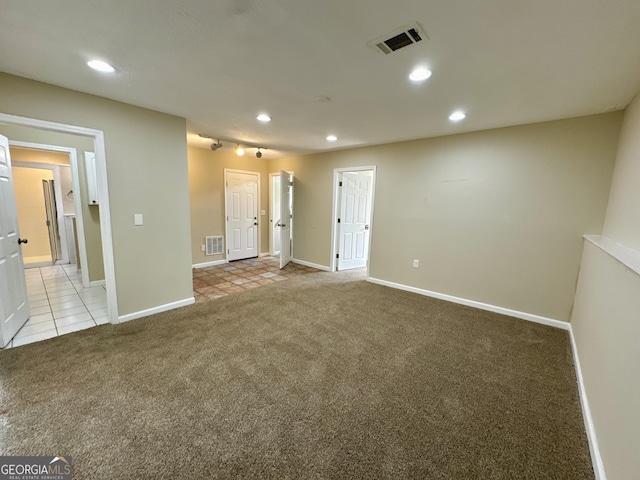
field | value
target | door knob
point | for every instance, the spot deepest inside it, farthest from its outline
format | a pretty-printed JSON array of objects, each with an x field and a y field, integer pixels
[{"x": 22, "y": 240}]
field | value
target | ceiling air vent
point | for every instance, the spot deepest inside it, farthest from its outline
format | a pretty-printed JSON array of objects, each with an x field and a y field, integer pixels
[{"x": 399, "y": 38}]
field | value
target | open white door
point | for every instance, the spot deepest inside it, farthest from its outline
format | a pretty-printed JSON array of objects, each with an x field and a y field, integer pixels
[
  {"x": 286, "y": 217},
  {"x": 353, "y": 223},
  {"x": 14, "y": 305},
  {"x": 242, "y": 215}
]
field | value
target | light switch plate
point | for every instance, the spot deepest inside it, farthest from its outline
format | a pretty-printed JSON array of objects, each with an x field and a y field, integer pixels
[
  {"x": 263, "y": 212},
  {"x": 137, "y": 219}
]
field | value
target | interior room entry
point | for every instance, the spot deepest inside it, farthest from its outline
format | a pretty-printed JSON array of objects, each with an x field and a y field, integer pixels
[
  {"x": 241, "y": 206},
  {"x": 13, "y": 290},
  {"x": 286, "y": 218},
  {"x": 354, "y": 206},
  {"x": 274, "y": 213}
]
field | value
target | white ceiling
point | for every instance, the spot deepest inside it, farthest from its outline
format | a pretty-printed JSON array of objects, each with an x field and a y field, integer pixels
[{"x": 220, "y": 63}]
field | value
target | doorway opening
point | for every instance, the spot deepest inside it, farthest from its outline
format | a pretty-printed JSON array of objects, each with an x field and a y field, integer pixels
[
  {"x": 279, "y": 211},
  {"x": 354, "y": 193},
  {"x": 13, "y": 286}
]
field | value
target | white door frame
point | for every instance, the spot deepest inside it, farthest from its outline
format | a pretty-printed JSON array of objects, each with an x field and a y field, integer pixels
[
  {"x": 103, "y": 191},
  {"x": 226, "y": 214},
  {"x": 335, "y": 245},
  {"x": 55, "y": 168}
]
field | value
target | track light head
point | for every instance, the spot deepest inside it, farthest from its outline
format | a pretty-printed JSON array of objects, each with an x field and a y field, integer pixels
[
  {"x": 259, "y": 154},
  {"x": 216, "y": 145},
  {"x": 239, "y": 151}
]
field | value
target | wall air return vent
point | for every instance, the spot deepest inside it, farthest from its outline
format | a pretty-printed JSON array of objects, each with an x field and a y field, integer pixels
[
  {"x": 215, "y": 245},
  {"x": 399, "y": 38}
]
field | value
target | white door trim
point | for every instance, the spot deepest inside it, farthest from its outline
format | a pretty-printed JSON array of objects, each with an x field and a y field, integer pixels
[
  {"x": 103, "y": 191},
  {"x": 336, "y": 212},
  {"x": 226, "y": 215}
]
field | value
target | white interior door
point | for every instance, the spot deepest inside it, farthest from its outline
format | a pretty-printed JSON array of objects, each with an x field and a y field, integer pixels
[
  {"x": 242, "y": 215},
  {"x": 14, "y": 307},
  {"x": 275, "y": 214},
  {"x": 354, "y": 219},
  {"x": 286, "y": 217}
]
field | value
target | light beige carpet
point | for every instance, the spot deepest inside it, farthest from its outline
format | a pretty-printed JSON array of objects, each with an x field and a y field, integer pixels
[{"x": 321, "y": 376}]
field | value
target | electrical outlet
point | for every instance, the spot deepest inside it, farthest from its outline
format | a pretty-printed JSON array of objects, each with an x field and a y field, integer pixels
[
  {"x": 416, "y": 264},
  {"x": 203, "y": 248}
]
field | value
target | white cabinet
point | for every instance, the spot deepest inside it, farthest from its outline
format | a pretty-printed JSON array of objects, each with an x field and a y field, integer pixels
[{"x": 92, "y": 179}]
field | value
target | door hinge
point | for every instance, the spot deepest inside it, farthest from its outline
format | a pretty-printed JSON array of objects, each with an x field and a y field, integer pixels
[
  {"x": 337, "y": 255},
  {"x": 338, "y": 220},
  {"x": 340, "y": 184},
  {"x": 291, "y": 184}
]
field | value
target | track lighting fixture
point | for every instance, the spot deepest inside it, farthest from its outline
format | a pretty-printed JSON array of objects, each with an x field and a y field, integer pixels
[{"x": 239, "y": 149}]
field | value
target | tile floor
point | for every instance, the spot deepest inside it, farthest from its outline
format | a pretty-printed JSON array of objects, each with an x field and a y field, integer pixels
[
  {"x": 220, "y": 280},
  {"x": 59, "y": 304}
]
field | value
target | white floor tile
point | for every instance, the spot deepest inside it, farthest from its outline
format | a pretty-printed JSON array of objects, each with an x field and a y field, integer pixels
[
  {"x": 76, "y": 327},
  {"x": 93, "y": 298},
  {"x": 69, "y": 312},
  {"x": 17, "y": 342},
  {"x": 101, "y": 320},
  {"x": 71, "y": 319},
  {"x": 40, "y": 310},
  {"x": 34, "y": 328},
  {"x": 58, "y": 307},
  {"x": 61, "y": 293},
  {"x": 35, "y": 298},
  {"x": 38, "y": 303},
  {"x": 99, "y": 312},
  {"x": 41, "y": 318},
  {"x": 66, "y": 298}
]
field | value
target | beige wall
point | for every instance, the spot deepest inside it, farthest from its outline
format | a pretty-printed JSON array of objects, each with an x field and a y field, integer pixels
[
  {"x": 32, "y": 217},
  {"x": 34, "y": 156},
  {"x": 606, "y": 319},
  {"x": 90, "y": 214},
  {"x": 623, "y": 212},
  {"x": 494, "y": 216},
  {"x": 147, "y": 173},
  {"x": 206, "y": 193}
]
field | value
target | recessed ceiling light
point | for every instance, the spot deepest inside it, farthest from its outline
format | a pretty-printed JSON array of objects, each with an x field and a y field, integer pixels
[
  {"x": 419, "y": 74},
  {"x": 263, "y": 117},
  {"x": 457, "y": 116},
  {"x": 101, "y": 66},
  {"x": 331, "y": 138}
]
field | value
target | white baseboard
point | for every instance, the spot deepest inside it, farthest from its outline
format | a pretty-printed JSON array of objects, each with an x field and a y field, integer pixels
[
  {"x": 209, "y": 264},
  {"x": 309, "y": 264},
  {"x": 596, "y": 458},
  {"x": 472, "y": 303},
  {"x": 265, "y": 254},
  {"x": 97, "y": 283},
  {"x": 158, "y": 309}
]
